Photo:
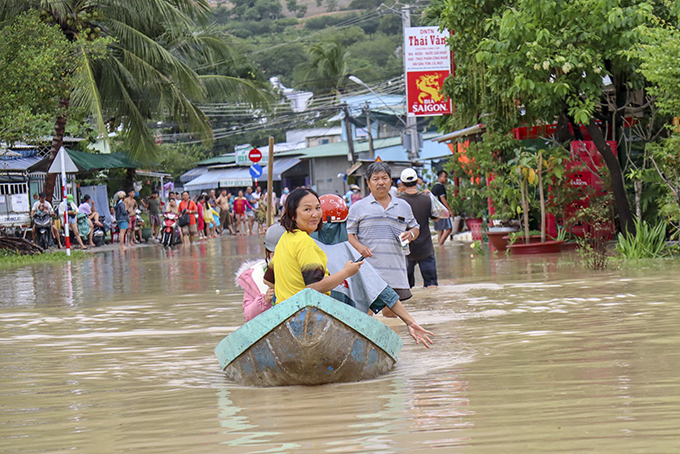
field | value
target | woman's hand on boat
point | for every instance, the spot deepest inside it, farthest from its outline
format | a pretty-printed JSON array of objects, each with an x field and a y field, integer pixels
[
  {"x": 420, "y": 334},
  {"x": 351, "y": 268},
  {"x": 269, "y": 295}
]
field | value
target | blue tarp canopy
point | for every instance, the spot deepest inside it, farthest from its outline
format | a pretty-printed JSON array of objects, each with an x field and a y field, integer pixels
[
  {"x": 280, "y": 166},
  {"x": 236, "y": 176},
  {"x": 212, "y": 179}
]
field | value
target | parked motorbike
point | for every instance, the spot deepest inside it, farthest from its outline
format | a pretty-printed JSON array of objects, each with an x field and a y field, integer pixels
[
  {"x": 43, "y": 229},
  {"x": 171, "y": 234},
  {"x": 98, "y": 236}
]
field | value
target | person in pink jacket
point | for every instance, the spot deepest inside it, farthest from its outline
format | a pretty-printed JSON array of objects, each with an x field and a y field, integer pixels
[{"x": 258, "y": 296}]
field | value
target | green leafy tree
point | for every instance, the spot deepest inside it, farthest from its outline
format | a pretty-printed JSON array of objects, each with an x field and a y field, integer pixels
[
  {"x": 540, "y": 60},
  {"x": 326, "y": 69},
  {"x": 660, "y": 64},
  {"x": 179, "y": 158},
  {"x": 133, "y": 64},
  {"x": 32, "y": 57},
  {"x": 256, "y": 10},
  {"x": 282, "y": 61}
]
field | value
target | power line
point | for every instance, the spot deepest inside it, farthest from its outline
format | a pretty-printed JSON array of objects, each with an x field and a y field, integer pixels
[{"x": 349, "y": 23}]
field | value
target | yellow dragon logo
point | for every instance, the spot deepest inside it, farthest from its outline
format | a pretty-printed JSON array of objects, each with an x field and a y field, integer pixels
[{"x": 429, "y": 87}]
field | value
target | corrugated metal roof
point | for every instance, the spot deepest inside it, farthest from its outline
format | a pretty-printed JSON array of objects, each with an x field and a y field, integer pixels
[
  {"x": 192, "y": 174},
  {"x": 19, "y": 164},
  {"x": 222, "y": 159},
  {"x": 280, "y": 166}
]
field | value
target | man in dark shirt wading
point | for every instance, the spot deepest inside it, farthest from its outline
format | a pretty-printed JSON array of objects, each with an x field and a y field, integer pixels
[
  {"x": 422, "y": 250},
  {"x": 442, "y": 226}
]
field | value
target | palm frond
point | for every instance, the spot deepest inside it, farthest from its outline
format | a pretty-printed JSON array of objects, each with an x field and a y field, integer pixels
[
  {"x": 223, "y": 88},
  {"x": 10, "y": 9},
  {"x": 85, "y": 93},
  {"x": 154, "y": 54},
  {"x": 146, "y": 15},
  {"x": 162, "y": 98}
]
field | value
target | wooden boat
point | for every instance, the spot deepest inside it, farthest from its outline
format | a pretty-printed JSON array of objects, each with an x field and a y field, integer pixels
[{"x": 309, "y": 339}]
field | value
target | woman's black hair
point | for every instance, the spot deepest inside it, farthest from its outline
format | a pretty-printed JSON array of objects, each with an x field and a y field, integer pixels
[{"x": 292, "y": 203}]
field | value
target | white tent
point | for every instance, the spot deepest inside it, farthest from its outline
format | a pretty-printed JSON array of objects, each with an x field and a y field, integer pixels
[{"x": 69, "y": 165}]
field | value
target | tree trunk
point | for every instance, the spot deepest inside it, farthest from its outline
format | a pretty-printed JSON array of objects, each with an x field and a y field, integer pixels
[
  {"x": 638, "y": 198},
  {"x": 57, "y": 142},
  {"x": 129, "y": 179},
  {"x": 541, "y": 194},
  {"x": 562, "y": 134},
  {"x": 525, "y": 208},
  {"x": 618, "y": 189}
]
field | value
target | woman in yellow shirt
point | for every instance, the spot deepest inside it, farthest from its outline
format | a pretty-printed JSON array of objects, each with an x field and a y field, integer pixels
[{"x": 298, "y": 262}]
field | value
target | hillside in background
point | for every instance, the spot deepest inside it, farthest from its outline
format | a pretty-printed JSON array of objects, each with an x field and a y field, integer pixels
[
  {"x": 314, "y": 52},
  {"x": 311, "y": 7},
  {"x": 365, "y": 41}
]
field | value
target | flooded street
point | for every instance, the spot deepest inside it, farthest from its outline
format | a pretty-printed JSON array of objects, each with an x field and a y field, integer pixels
[{"x": 531, "y": 355}]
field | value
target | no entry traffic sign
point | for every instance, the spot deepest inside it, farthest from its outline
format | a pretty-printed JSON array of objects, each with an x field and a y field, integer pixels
[{"x": 255, "y": 155}]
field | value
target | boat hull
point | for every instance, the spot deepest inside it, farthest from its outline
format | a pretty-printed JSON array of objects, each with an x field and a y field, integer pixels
[{"x": 310, "y": 339}]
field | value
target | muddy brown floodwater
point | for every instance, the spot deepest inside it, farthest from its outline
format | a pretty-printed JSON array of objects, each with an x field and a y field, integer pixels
[{"x": 531, "y": 355}]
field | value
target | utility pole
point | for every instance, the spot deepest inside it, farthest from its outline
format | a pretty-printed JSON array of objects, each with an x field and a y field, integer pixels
[
  {"x": 348, "y": 131},
  {"x": 411, "y": 122},
  {"x": 270, "y": 183},
  {"x": 371, "y": 154}
]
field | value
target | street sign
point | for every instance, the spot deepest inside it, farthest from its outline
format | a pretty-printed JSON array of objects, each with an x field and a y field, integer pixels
[
  {"x": 242, "y": 155},
  {"x": 256, "y": 171},
  {"x": 255, "y": 155}
]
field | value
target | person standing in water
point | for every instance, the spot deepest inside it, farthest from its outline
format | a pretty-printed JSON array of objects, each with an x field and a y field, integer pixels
[{"x": 442, "y": 226}]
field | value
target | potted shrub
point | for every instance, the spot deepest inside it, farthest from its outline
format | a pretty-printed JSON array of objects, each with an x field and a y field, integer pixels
[
  {"x": 483, "y": 161},
  {"x": 533, "y": 169}
]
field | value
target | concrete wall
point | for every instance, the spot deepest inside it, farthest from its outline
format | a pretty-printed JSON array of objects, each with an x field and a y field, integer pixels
[{"x": 325, "y": 174}]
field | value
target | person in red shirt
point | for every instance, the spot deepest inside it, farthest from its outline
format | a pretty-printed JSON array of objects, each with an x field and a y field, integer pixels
[
  {"x": 188, "y": 206},
  {"x": 240, "y": 204}
]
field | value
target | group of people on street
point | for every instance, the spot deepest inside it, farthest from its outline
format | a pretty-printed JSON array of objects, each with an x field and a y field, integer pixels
[
  {"x": 86, "y": 211},
  {"x": 206, "y": 216}
]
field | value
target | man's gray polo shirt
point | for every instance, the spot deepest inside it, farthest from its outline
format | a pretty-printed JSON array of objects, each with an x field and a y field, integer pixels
[{"x": 378, "y": 228}]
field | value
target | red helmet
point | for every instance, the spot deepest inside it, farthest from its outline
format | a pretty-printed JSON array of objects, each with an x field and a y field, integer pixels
[{"x": 333, "y": 207}]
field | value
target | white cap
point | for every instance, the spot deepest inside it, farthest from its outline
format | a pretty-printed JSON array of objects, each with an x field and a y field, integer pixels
[
  {"x": 409, "y": 175},
  {"x": 273, "y": 235}
]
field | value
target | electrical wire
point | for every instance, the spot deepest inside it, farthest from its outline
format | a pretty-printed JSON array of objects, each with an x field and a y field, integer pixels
[{"x": 348, "y": 23}]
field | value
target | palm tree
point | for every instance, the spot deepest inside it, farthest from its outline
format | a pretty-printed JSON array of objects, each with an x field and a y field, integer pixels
[
  {"x": 326, "y": 68},
  {"x": 131, "y": 64}
]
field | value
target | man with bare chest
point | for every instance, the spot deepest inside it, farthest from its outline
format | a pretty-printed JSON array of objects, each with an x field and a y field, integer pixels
[
  {"x": 226, "y": 220},
  {"x": 131, "y": 207}
]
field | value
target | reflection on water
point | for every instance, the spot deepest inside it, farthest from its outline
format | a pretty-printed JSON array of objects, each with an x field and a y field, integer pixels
[{"x": 531, "y": 355}]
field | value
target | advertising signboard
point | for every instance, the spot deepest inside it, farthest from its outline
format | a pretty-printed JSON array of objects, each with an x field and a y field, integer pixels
[
  {"x": 236, "y": 182},
  {"x": 427, "y": 62},
  {"x": 242, "y": 154}
]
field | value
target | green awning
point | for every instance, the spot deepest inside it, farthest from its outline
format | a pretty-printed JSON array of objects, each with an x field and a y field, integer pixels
[{"x": 89, "y": 162}]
